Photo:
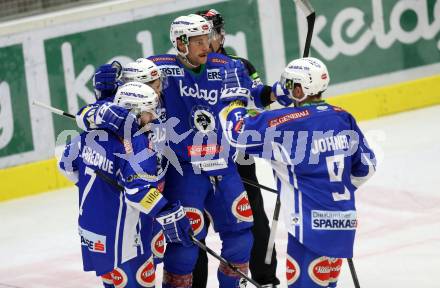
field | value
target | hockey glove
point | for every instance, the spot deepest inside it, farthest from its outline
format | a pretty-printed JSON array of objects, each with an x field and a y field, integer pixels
[
  {"x": 175, "y": 225},
  {"x": 85, "y": 118},
  {"x": 234, "y": 74},
  {"x": 282, "y": 94},
  {"x": 105, "y": 78},
  {"x": 110, "y": 116},
  {"x": 232, "y": 94}
]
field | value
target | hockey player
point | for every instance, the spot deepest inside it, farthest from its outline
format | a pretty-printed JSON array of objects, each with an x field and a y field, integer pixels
[
  {"x": 209, "y": 180},
  {"x": 319, "y": 156},
  {"x": 144, "y": 71},
  {"x": 262, "y": 273},
  {"x": 109, "y": 220}
]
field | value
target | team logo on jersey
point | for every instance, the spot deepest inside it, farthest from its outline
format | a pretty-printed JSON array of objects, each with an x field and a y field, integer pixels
[
  {"x": 145, "y": 275},
  {"x": 94, "y": 242},
  {"x": 213, "y": 74},
  {"x": 203, "y": 119},
  {"x": 242, "y": 283},
  {"x": 319, "y": 271},
  {"x": 158, "y": 244},
  {"x": 120, "y": 279},
  {"x": 292, "y": 270},
  {"x": 321, "y": 108},
  {"x": 241, "y": 208},
  {"x": 335, "y": 269},
  {"x": 195, "y": 218}
]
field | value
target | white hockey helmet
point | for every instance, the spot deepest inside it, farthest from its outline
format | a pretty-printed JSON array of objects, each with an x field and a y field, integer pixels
[
  {"x": 137, "y": 97},
  {"x": 309, "y": 72},
  {"x": 142, "y": 70},
  {"x": 184, "y": 27}
]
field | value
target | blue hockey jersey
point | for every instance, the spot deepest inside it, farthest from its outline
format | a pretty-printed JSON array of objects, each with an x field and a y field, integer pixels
[
  {"x": 193, "y": 100},
  {"x": 109, "y": 220},
  {"x": 319, "y": 157}
]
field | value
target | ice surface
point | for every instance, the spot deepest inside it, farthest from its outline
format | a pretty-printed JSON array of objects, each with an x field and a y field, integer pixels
[{"x": 397, "y": 243}]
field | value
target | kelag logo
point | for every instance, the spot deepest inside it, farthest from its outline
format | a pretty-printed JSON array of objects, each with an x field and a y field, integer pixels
[
  {"x": 72, "y": 59},
  {"x": 368, "y": 38}
]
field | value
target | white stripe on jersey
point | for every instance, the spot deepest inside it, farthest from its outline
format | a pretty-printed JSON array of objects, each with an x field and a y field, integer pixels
[
  {"x": 287, "y": 195},
  {"x": 129, "y": 247},
  {"x": 300, "y": 208},
  {"x": 118, "y": 225},
  {"x": 140, "y": 238}
]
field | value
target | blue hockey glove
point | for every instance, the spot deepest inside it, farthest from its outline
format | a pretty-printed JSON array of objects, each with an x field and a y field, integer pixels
[
  {"x": 234, "y": 74},
  {"x": 105, "y": 80},
  {"x": 175, "y": 225},
  {"x": 282, "y": 94},
  {"x": 232, "y": 94},
  {"x": 85, "y": 118},
  {"x": 112, "y": 117}
]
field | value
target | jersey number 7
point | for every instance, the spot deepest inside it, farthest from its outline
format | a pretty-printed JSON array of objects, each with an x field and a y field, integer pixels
[{"x": 89, "y": 171}]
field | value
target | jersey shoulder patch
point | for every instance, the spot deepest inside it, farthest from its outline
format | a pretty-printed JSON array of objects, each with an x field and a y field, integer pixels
[
  {"x": 215, "y": 59},
  {"x": 163, "y": 59}
]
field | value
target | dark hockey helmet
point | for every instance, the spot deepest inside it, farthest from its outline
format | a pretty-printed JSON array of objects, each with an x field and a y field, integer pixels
[{"x": 215, "y": 17}]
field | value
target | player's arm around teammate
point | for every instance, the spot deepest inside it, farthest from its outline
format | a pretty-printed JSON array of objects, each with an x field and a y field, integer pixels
[{"x": 110, "y": 224}]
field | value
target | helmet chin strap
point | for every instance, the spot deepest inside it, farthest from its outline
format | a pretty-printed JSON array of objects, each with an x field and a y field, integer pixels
[{"x": 184, "y": 57}]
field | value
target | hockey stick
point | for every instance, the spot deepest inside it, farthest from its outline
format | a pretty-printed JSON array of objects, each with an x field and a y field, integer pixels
[
  {"x": 353, "y": 273},
  {"x": 53, "y": 109},
  {"x": 258, "y": 185},
  {"x": 193, "y": 238},
  {"x": 308, "y": 10}
]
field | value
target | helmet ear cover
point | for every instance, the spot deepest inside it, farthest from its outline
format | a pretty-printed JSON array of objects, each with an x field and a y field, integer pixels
[
  {"x": 184, "y": 39},
  {"x": 289, "y": 84}
]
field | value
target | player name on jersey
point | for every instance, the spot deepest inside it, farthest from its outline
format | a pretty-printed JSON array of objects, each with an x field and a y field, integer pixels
[
  {"x": 92, "y": 157},
  {"x": 331, "y": 143}
]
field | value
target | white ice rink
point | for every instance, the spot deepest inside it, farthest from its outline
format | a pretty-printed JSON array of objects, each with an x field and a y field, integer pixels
[{"x": 398, "y": 240}]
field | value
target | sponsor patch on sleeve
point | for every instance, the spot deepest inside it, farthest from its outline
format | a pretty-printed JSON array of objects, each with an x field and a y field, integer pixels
[{"x": 151, "y": 198}]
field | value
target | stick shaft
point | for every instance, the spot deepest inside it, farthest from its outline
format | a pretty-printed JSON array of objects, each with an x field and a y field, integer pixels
[
  {"x": 273, "y": 230},
  {"x": 353, "y": 273},
  {"x": 258, "y": 185},
  {"x": 53, "y": 109}
]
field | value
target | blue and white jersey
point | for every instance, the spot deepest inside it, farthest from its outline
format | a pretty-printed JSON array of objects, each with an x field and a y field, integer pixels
[
  {"x": 193, "y": 100},
  {"x": 320, "y": 157},
  {"x": 109, "y": 220}
]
